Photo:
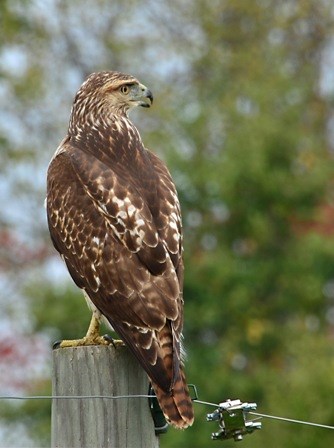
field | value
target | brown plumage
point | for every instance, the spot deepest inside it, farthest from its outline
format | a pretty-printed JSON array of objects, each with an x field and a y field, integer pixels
[{"x": 114, "y": 217}]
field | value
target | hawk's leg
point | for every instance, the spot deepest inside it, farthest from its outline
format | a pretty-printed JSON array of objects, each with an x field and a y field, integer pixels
[{"x": 92, "y": 337}]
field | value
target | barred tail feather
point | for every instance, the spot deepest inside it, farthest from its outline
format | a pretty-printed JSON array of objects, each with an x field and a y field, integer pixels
[{"x": 176, "y": 404}]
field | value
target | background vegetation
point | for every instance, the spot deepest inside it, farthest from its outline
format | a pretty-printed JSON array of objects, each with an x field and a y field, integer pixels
[{"x": 243, "y": 116}]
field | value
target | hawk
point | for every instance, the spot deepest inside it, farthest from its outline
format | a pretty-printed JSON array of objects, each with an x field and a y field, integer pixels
[{"x": 114, "y": 217}]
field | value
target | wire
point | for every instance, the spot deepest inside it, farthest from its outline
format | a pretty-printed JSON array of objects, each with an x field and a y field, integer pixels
[
  {"x": 71, "y": 397},
  {"x": 301, "y": 422},
  {"x": 206, "y": 402},
  {"x": 118, "y": 397},
  {"x": 289, "y": 420}
]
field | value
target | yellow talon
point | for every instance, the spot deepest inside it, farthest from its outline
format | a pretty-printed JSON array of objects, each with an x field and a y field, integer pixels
[{"x": 92, "y": 337}]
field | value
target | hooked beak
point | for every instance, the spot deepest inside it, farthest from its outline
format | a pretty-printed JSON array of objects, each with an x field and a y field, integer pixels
[{"x": 145, "y": 96}]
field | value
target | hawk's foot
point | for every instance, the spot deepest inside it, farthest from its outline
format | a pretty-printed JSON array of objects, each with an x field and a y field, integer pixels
[
  {"x": 98, "y": 340},
  {"x": 92, "y": 338}
]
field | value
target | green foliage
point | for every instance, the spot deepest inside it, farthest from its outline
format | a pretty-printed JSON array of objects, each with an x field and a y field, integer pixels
[{"x": 242, "y": 124}]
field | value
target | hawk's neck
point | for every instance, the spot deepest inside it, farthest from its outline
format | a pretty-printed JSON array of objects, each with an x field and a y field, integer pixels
[{"x": 115, "y": 137}]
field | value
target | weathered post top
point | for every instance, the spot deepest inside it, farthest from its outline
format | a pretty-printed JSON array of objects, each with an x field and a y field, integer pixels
[{"x": 100, "y": 422}]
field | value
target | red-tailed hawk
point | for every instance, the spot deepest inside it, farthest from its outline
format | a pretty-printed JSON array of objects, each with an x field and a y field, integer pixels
[{"x": 114, "y": 217}]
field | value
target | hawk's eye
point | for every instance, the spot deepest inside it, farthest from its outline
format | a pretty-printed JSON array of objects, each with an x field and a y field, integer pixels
[{"x": 125, "y": 89}]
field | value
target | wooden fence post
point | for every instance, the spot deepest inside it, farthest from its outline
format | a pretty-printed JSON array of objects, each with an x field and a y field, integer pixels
[{"x": 100, "y": 422}]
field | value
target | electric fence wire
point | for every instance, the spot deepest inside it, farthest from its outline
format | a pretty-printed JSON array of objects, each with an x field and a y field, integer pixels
[
  {"x": 291, "y": 420},
  {"x": 118, "y": 397}
]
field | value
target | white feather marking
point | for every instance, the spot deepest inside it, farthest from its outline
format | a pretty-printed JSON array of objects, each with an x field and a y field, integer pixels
[
  {"x": 139, "y": 235},
  {"x": 118, "y": 125},
  {"x": 96, "y": 239},
  {"x": 122, "y": 214},
  {"x": 143, "y": 330},
  {"x": 175, "y": 197},
  {"x": 98, "y": 281},
  {"x": 96, "y": 277},
  {"x": 140, "y": 222},
  {"x": 131, "y": 210},
  {"x": 117, "y": 201}
]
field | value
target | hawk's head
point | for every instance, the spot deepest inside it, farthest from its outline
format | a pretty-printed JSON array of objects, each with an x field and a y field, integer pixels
[{"x": 106, "y": 93}]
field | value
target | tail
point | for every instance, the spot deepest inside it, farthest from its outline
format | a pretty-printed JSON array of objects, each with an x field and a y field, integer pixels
[{"x": 176, "y": 404}]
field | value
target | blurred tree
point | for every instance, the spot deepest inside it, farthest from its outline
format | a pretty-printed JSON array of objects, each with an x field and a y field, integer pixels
[
  {"x": 242, "y": 116},
  {"x": 258, "y": 162}
]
